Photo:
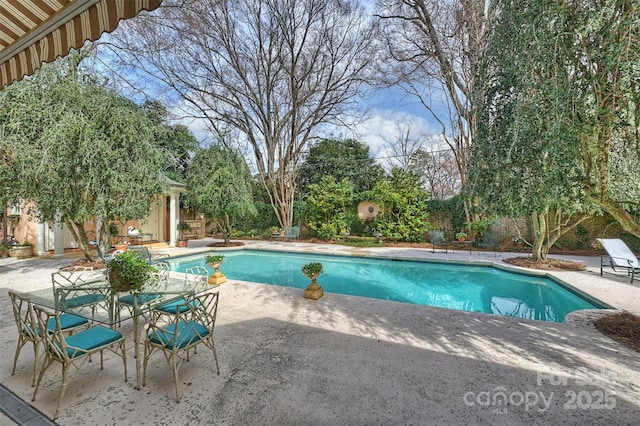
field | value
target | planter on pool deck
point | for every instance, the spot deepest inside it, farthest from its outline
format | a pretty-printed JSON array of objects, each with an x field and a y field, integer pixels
[
  {"x": 314, "y": 291},
  {"x": 21, "y": 252},
  {"x": 217, "y": 277}
]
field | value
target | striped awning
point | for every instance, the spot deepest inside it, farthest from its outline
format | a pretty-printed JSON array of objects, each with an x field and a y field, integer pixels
[{"x": 37, "y": 31}]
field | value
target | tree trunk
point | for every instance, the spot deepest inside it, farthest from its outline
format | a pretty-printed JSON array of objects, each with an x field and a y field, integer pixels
[
  {"x": 628, "y": 222},
  {"x": 539, "y": 232},
  {"x": 79, "y": 234},
  {"x": 226, "y": 226}
]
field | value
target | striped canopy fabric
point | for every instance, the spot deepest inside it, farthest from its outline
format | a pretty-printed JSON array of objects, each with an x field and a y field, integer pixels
[{"x": 37, "y": 31}]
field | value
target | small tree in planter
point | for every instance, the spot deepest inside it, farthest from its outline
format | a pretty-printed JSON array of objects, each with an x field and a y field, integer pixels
[
  {"x": 214, "y": 261},
  {"x": 313, "y": 271},
  {"x": 182, "y": 227}
]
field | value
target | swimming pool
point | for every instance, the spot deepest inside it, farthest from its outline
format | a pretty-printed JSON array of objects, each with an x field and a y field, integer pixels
[{"x": 463, "y": 287}]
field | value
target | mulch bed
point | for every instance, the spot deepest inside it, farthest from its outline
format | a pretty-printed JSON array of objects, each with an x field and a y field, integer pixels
[
  {"x": 624, "y": 328},
  {"x": 546, "y": 264},
  {"x": 229, "y": 244}
]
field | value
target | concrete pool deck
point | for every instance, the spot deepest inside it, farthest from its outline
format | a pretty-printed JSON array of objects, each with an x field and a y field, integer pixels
[{"x": 285, "y": 360}]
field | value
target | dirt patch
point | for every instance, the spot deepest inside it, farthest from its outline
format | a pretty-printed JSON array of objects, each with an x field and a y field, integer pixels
[
  {"x": 624, "y": 328},
  {"x": 229, "y": 244},
  {"x": 546, "y": 265}
]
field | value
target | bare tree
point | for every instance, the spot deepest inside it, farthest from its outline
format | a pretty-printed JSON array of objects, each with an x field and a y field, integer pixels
[
  {"x": 403, "y": 147},
  {"x": 434, "y": 47},
  {"x": 438, "y": 169},
  {"x": 275, "y": 70}
]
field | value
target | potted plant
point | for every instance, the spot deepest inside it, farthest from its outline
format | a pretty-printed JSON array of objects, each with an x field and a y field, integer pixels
[
  {"x": 312, "y": 271},
  {"x": 461, "y": 236},
  {"x": 4, "y": 250},
  {"x": 129, "y": 271},
  {"x": 214, "y": 261},
  {"x": 21, "y": 251},
  {"x": 182, "y": 227}
]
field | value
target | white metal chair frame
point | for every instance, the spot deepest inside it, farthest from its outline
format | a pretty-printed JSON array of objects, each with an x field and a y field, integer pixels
[
  {"x": 79, "y": 288},
  {"x": 620, "y": 256},
  {"x": 29, "y": 331},
  {"x": 59, "y": 348},
  {"x": 182, "y": 332},
  {"x": 194, "y": 277}
]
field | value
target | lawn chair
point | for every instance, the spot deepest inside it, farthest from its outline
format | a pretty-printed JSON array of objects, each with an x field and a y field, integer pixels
[
  {"x": 490, "y": 240},
  {"x": 437, "y": 239},
  {"x": 620, "y": 256}
]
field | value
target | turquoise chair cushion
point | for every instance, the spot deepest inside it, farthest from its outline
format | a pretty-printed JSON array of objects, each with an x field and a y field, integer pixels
[
  {"x": 188, "y": 332},
  {"x": 141, "y": 297},
  {"x": 173, "y": 308},
  {"x": 87, "y": 299},
  {"x": 66, "y": 321},
  {"x": 90, "y": 339}
]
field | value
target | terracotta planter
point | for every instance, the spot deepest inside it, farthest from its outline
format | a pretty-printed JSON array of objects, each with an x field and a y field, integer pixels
[
  {"x": 182, "y": 243},
  {"x": 121, "y": 247},
  {"x": 21, "y": 252}
]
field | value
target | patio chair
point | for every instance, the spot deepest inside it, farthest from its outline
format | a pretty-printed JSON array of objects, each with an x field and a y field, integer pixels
[
  {"x": 620, "y": 256},
  {"x": 137, "y": 299},
  {"x": 144, "y": 252},
  {"x": 75, "y": 350},
  {"x": 80, "y": 288},
  {"x": 185, "y": 331},
  {"x": 194, "y": 277},
  {"x": 490, "y": 240},
  {"x": 28, "y": 330},
  {"x": 437, "y": 239}
]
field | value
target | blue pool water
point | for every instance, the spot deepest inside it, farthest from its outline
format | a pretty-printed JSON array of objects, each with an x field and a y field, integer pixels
[{"x": 462, "y": 287}]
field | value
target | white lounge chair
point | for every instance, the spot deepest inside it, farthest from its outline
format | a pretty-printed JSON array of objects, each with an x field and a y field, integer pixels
[{"x": 620, "y": 256}]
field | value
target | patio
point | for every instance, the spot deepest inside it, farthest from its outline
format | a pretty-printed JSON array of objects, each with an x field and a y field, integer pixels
[{"x": 350, "y": 360}]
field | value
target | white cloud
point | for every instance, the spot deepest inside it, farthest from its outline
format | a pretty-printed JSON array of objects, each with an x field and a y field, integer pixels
[{"x": 381, "y": 128}]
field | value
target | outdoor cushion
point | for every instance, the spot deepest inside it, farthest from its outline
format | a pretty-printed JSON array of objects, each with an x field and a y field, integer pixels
[
  {"x": 66, "y": 321},
  {"x": 177, "y": 306},
  {"x": 188, "y": 332},
  {"x": 86, "y": 299},
  {"x": 90, "y": 339},
  {"x": 141, "y": 298}
]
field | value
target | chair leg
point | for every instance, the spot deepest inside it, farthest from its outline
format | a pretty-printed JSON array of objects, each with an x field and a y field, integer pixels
[
  {"x": 36, "y": 351},
  {"x": 63, "y": 389},
  {"x": 21, "y": 342},
  {"x": 46, "y": 365},
  {"x": 215, "y": 356},
  {"x": 124, "y": 360},
  {"x": 175, "y": 375}
]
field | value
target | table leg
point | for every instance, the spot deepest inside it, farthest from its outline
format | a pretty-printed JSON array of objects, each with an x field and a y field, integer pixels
[{"x": 136, "y": 339}]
